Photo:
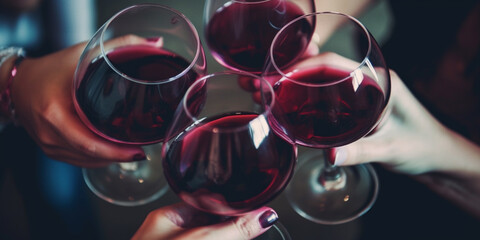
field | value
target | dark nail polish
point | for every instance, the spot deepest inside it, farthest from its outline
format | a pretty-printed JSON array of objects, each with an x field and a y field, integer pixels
[
  {"x": 268, "y": 218},
  {"x": 139, "y": 157}
]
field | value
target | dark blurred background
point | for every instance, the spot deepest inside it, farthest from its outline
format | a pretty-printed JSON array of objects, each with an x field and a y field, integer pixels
[{"x": 404, "y": 209}]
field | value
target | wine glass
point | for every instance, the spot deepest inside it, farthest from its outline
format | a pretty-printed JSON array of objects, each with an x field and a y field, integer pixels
[
  {"x": 221, "y": 155},
  {"x": 240, "y": 32},
  {"x": 128, "y": 82},
  {"x": 332, "y": 95}
]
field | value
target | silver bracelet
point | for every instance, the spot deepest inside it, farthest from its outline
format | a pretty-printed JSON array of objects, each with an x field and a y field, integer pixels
[
  {"x": 6, "y": 105},
  {"x": 7, "y": 52}
]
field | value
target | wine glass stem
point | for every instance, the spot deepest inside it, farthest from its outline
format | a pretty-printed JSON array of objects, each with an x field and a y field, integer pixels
[
  {"x": 330, "y": 171},
  {"x": 331, "y": 177}
]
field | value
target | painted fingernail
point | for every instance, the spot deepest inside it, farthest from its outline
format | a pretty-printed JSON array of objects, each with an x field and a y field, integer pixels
[
  {"x": 268, "y": 218},
  {"x": 139, "y": 157}
]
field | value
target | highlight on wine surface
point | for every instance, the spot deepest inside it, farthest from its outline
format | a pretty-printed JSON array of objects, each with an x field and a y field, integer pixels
[
  {"x": 222, "y": 155},
  {"x": 239, "y": 33}
]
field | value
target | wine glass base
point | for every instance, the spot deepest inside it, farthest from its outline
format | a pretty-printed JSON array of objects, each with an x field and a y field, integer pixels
[
  {"x": 127, "y": 184},
  {"x": 325, "y": 204},
  {"x": 276, "y": 232}
]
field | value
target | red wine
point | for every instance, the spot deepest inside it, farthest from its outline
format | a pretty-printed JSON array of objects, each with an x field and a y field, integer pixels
[
  {"x": 229, "y": 172},
  {"x": 335, "y": 114},
  {"x": 239, "y": 35},
  {"x": 129, "y": 111}
]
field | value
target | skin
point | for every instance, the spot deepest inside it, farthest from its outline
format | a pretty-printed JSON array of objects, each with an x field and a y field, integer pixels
[
  {"x": 42, "y": 94},
  {"x": 180, "y": 221},
  {"x": 411, "y": 141}
]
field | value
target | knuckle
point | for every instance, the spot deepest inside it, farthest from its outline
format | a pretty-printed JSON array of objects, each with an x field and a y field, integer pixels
[
  {"x": 87, "y": 147},
  {"x": 244, "y": 228}
]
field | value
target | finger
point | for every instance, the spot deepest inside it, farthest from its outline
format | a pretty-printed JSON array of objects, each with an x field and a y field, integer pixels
[
  {"x": 96, "y": 147},
  {"x": 362, "y": 151},
  {"x": 166, "y": 222},
  {"x": 378, "y": 147},
  {"x": 325, "y": 58},
  {"x": 257, "y": 97},
  {"x": 90, "y": 145},
  {"x": 73, "y": 157},
  {"x": 247, "y": 226},
  {"x": 130, "y": 39},
  {"x": 248, "y": 83},
  {"x": 76, "y": 144},
  {"x": 186, "y": 216},
  {"x": 160, "y": 224},
  {"x": 375, "y": 146},
  {"x": 312, "y": 50}
]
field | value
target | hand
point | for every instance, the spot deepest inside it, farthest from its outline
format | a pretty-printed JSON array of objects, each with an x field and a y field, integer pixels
[
  {"x": 411, "y": 141},
  {"x": 42, "y": 93},
  {"x": 180, "y": 221}
]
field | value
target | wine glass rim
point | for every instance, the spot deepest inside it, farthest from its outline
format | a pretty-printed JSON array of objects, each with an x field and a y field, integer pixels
[
  {"x": 264, "y": 114},
  {"x": 364, "y": 61},
  {"x": 158, "y": 81}
]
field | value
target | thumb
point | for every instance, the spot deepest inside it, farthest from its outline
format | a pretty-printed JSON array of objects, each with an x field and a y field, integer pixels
[
  {"x": 243, "y": 227},
  {"x": 364, "y": 150},
  {"x": 378, "y": 146}
]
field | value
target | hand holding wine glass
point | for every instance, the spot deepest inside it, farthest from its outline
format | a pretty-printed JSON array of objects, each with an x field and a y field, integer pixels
[
  {"x": 332, "y": 96},
  {"x": 186, "y": 222},
  {"x": 411, "y": 125},
  {"x": 127, "y": 92},
  {"x": 412, "y": 141},
  {"x": 221, "y": 154},
  {"x": 44, "y": 108}
]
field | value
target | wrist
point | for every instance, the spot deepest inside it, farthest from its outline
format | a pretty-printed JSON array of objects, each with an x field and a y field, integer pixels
[
  {"x": 465, "y": 159},
  {"x": 10, "y": 58},
  {"x": 453, "y": 155}
]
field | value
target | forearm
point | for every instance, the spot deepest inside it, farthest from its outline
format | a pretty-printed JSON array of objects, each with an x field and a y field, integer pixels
[{"x": 458, "y": 175}]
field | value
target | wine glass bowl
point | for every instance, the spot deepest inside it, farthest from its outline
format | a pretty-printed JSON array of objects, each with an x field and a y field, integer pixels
[
  {"x": 221, "y": 154},
  {"x": 129, "y": 80},
  {"x": 239, "y": 33},
  {"x": 335, "y": 93},
  {"x": 331, "y": 96}
]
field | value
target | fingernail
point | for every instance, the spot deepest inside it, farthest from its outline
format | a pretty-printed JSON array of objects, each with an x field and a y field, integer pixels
[
  {"x": 340, "y": 156},
  {"x": 139, "y": 157},
  {"x": 268, "y": 218}
]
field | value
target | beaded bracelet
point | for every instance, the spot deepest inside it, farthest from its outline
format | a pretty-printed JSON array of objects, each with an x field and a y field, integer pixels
[{"x": 6, "y": 104}]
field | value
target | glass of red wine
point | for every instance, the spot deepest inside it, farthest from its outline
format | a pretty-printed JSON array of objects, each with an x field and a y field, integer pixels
[
  {"x": 240, "y": 32},
  {"x": 332, "y": 95},
  {"x": 130, "y": 78},
  {"x": 221, "y": 154}
]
